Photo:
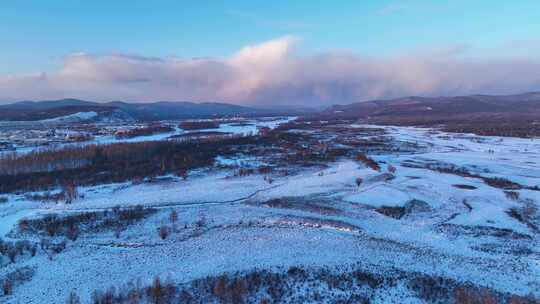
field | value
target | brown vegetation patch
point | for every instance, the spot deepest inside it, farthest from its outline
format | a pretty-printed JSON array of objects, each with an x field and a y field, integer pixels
[
  {"x": 394, "y": 212},
  {"x": 368, "y": 162}
]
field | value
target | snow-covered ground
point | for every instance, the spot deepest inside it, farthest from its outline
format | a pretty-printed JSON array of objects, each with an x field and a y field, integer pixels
[{"x": 460, "y": 234}]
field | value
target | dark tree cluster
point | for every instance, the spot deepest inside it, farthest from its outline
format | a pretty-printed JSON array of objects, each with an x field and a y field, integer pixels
[
  {"x": 71, "y": 226},
  {"x": 517, "y": 128},
  {"x": 144, "y": 131},
  {"x": 198, "y": 125},
  {"x": 95, "y": 164}
]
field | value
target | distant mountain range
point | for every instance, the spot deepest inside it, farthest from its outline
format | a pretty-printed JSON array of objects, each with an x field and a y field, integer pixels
[
  {"x": 40, "y": 110},
  {"x": 412, "y": 110},
  {"x": 416, "y": 110}
]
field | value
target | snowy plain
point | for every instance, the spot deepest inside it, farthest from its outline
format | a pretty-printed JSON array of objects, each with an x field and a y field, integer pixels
[{"x": 349, "y": 230}]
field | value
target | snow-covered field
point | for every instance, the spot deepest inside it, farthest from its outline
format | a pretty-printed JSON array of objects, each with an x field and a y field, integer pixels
[{"x": 462, "y": 231}]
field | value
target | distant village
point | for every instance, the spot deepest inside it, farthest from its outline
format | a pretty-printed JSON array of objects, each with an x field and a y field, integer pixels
[
  {"x": 42, "y": 135},
  {"x": 31, "y": 135}
]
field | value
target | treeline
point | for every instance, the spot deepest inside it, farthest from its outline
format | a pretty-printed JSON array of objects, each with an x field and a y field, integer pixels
[
  {"x": 289, "y": 286},
  {"x": 98, "y": 164},
  {"x": 197, "y": 125},
  {"x": 46, "y": 160},
  {"x": 522, "y": 129},
  {"x": 144, "y": 131}
]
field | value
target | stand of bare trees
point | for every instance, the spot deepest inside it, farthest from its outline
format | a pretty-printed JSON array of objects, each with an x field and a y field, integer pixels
[{"x": 119, "y": 162}]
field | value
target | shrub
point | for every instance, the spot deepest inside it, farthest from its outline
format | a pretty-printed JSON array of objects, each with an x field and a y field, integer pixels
[
  {"x": 23, "y": 224},
  {"x": 238, "y": 291},
  {"x": 395, "y": 212},
  {"x": 269, "y": 179},
  {"x": 368, "y": 162},
  {"x": 530, "y": 210},
  {"x": 201, "y": 222},
  {"x": 72, "y": 232},
  {"x": 502, "y": 183},
  {"x": 70, "y": 191},
  {"x": 220, "y": 288},
  {"x": 512, "y": 195},
  {"x": 163, "y": 232},
  {"x": 73, "y": 298},
  {"x": 14, "y": 249},
  {"x": 16, "y": 277},
  {"x": 12, "y": 254},
  {"x": 155, "y": 291},
  {"x": 173, "y": 216},
  {"x": 7, "y": 287}
]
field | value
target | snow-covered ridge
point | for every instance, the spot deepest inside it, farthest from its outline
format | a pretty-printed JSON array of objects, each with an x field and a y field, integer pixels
[{"x": 79, "y": 116}]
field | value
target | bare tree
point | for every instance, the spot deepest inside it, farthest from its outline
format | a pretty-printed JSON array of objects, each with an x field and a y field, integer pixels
[
  {"x": 70, "y": 191},
  {"x": 156, "y": 291},
  {"x": 7, "y": 287},
  {"x": 72, "y": 232},
  {"x": 359, "y": 181},
  {"x": 163, "y": 232},
  {"x": 219, "y": 289},
  {"x": 173, "y": 216},
  {"x": 73, "y": 298}
]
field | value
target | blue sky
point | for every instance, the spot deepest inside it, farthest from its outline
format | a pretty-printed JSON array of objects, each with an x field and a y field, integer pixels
[
  {"x": 35, "y": 35},
  {"x": 304, "y": 52}
]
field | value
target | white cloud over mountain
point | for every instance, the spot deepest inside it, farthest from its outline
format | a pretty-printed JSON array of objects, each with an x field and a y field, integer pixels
[{"x": 273, "y": 72}]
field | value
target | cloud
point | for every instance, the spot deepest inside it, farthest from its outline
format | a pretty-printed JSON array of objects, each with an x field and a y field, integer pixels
[{"x": 273, "y": 73}]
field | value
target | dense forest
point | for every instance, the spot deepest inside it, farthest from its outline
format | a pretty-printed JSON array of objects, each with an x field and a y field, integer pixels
[
  {"x": 98, "y": 164},
  {"x": 95, "y": 164}
]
